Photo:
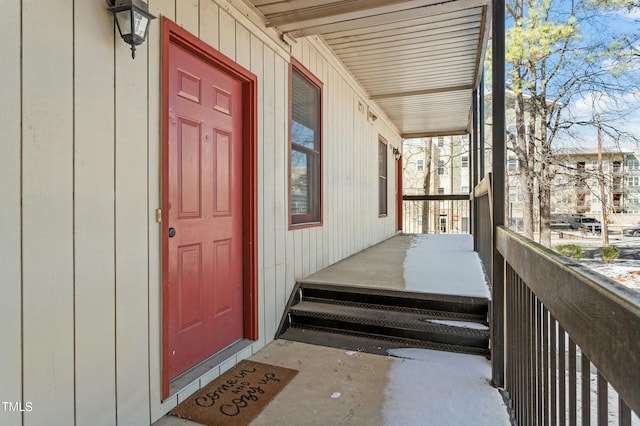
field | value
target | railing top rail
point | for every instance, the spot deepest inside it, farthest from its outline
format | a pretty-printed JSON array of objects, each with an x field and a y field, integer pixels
[
  {"x": 439, "y": 197},
  {"x": 601, "y": 315},
  {"x": 483, "y": 187}
]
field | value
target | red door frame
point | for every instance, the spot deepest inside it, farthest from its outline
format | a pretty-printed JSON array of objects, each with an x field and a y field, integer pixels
[
  {"x": 399, "y": 193},
  {"x": 174, "y": 34}
]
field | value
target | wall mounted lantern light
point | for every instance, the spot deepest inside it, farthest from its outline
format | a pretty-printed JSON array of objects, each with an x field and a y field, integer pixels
[
  {"x": 396, "y": 153},
  {"x": 133, "y": 19}
]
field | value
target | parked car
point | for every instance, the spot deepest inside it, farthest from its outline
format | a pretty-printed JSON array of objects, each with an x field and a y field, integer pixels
[
  {"x": 583, "y": 222},
  {"x": 632, "y": 232}
]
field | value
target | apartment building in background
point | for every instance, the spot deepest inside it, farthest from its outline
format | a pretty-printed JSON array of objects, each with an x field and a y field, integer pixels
[{"x": 438, "y": 165}]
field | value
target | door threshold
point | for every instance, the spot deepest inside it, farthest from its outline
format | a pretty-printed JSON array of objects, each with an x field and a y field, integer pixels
[{"x": 203, "y": 367}]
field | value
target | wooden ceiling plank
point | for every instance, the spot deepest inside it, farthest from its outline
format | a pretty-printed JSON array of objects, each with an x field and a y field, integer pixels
[
  {"x": 421, "y": 92},
  {"x": 388, "y": 58},
  {"x": 400, "y": 64},
  {"x": 411, "y": 37},
  {"x": 403, "y": 74},
  {"x": 424, "y": 47},
  {"x": 463, "y": 16},
  {"x": 341, "y": 11},
  {"x": 301, "y": 29},
  {"x": 434, "y": 78}
]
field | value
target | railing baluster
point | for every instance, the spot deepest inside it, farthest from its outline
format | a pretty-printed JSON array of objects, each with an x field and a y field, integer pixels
[
  {"x": 518, "y": 352},
  {"x": 547, "y": 370},
  {"x": 539, "y": 334},
  {"x": 572, "y": 383},
  {"x": 586, "y": 390},
  {"x": 531, "y": 355},
  {"x": 624, "y": 413},
  {"x": 511, "y": 366},
  {"x": 562, "y": 377},
  {"x": 553, "y": 370},
  {"x": 526, "y": 321},
  {"x": 603, "y": 401}
]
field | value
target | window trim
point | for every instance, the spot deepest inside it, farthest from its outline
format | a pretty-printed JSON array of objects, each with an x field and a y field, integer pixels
[
  {"x": 305, "y": 221},
  {"x": 382, "y": 141}
]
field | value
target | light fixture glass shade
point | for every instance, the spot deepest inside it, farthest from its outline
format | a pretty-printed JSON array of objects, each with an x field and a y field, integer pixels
[
  {"x": 140, "y": 25},
  {"x": 133, "y": 19},
  {"x": 123, "y": 19}
]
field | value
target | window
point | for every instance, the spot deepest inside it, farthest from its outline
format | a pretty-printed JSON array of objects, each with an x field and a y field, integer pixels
[
  {"x": 633, "y": 180},
  {"x": 465, "y": 161},
  {"x": 633, "y": 163},
  {"x": 420, "y": 165},
  {"x": 382, "y": 177},
  {"x": 512, "y": 163},
  {"x": 440, "y": 142},
  {"x": 440, "y": 167},
  {"x": 306, "y": 144}
]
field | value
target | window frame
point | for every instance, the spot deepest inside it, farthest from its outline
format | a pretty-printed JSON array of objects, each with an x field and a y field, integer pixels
[
  {"x": 383, "y": 166},
  {"x": 315, "y": 217}
]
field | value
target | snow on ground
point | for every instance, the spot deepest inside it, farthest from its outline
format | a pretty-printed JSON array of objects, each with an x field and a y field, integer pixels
[
  {"x": 462, "y": 324},
  {"x": 626, "y": 272},
  {"x": 428, "y": 387},
  {"x": 456, "y": 268}
]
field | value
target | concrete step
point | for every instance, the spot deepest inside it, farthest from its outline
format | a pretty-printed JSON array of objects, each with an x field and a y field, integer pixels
[
  {"x": 331, "y": 315},
  {"x": 474, "y": 308},
  {"x": 365, "y": 342},
  {"x": 434, "y": 326}
]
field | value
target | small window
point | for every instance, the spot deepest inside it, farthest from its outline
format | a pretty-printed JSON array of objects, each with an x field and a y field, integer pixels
[
  {"x": 465, "y": 161},
  {"x": 420, "y": 165},
  {"x": 633, "y": 164},
  {"x": 382, "y": 177},
  {"x": 306, "y": 146},
  {"x": 440, "y": 167},
  {"x": 440, "y": 142}
]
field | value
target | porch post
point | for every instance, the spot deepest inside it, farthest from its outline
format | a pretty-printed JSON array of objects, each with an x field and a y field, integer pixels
[
  {"x": 474, "y": 157},
  {"x": 481, "y": 130},
  {"x": 498, "y": 166}
]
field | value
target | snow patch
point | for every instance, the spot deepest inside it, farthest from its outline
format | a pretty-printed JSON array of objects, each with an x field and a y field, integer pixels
[
  {"x": 445, "y": 388},
  {"x": 456, "y": 267},
  {"x": 463, "y": 324}
]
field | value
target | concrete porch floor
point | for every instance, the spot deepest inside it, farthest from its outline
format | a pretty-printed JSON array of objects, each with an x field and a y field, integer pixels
[
  {"x": 335, "y": 386},
  {"x": 435, "y": 263}
]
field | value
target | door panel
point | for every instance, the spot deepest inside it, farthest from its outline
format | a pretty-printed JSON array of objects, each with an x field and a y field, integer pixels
[{"x": 204, "y": 165}]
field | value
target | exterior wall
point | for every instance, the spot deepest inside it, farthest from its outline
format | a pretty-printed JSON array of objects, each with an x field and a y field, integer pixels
[{"x": 80, "y": 254}]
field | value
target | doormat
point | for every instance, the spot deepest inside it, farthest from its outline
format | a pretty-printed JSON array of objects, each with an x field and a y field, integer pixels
[{"x": 237, "y": 396}]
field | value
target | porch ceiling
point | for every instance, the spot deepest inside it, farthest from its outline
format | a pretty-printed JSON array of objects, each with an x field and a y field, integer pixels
[{"x": 419, "y": 60}]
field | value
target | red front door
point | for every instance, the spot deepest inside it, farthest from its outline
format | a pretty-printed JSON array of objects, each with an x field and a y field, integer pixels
[{"x": 204, "y": 230}]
